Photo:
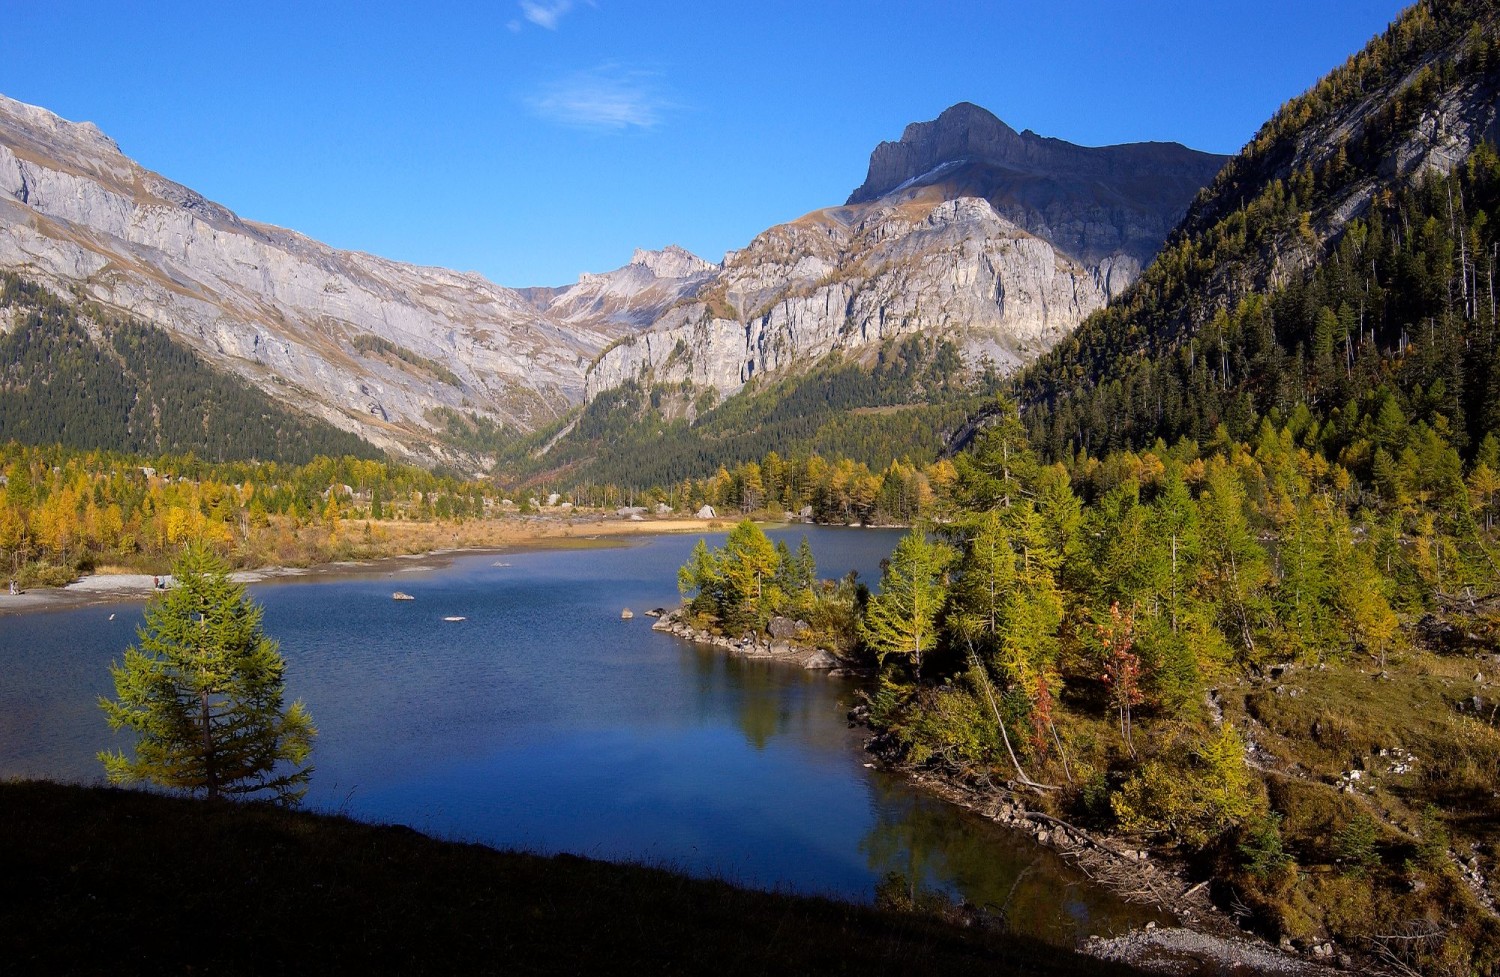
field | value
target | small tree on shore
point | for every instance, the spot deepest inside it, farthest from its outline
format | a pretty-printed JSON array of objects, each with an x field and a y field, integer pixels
[
  {"x": 202, "y": 689},
  {"x": 902, "y": 618}
]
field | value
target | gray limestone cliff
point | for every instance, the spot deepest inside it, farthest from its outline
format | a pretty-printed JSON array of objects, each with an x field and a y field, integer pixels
[
  {"x": 1003, "y": 240},
  {"x": 297, "y": 317},
  {"x": 1109, "y": 208},
  {"x": 852, "y": 277}
]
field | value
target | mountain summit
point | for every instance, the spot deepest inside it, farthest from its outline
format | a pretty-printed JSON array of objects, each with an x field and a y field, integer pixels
[
  {"x": 1108, "y": 208},
  {"x": 1003, "y": 241}
]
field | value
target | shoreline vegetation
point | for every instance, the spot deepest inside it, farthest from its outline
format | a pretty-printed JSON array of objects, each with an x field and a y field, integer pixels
[
  {"x": 748, "y": 620},
  {"x": 1286, "y": 729},
  {"x": 1205, "y": 933}
]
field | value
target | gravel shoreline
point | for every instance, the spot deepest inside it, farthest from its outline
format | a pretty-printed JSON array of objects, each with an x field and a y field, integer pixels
[
  {"x": 120, "y": 588},
  {"x": 1179, "y": 950},
  {"x": 524, "y": 533}
]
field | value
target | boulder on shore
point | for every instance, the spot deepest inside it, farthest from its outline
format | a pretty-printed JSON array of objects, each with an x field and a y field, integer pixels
[{"x": 785, "y": 629}]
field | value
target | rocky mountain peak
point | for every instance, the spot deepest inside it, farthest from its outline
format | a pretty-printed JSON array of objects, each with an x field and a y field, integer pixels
[
  {"x": 1002, "y": 240},
  {"x": 1107, "y": 207},
  {"x": 962, "y": 132},
  {"x": 671, "y": 262},
  {"x": 33, "y": 124}
]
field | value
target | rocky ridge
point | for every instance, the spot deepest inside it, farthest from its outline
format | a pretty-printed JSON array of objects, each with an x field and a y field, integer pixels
[
  {"x": 369, "y": 344},
  {"x": 1108, "y": 207},
  {"x": 852, "y": 277},
  {"x": 1003, "y": 241}
]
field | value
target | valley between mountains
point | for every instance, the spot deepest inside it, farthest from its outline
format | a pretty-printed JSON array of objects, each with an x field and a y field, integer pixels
[
  {"x": 1196, "y": 461},
  {"x": 1002, "y": 241}
]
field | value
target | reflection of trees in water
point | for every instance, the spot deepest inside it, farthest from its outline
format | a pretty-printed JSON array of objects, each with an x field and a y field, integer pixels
[
  {"x": 768, "y": 699},
  {"x": 927, "y": 846},
  {"x": 754, "y": 696}
]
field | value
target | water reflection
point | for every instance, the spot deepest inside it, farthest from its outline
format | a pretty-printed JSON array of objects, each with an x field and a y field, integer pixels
[
  {"x": 924, "y": 844},
  {"x": 545, "y": 721},
  {"x": 768, "y": 699}
]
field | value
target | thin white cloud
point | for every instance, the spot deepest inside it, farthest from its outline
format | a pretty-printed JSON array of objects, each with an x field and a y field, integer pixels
[
  {"x": 545, "y": 13},
  {"x": 609, "y": 97}
]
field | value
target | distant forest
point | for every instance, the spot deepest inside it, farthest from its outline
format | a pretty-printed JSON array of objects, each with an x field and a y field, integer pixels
[
  {"x": 72, "y": 373},
  {"x": 646, "y": 435}
]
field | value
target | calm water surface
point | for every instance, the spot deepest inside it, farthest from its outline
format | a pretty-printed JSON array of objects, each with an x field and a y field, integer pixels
[{"x": 546, "y": 722}]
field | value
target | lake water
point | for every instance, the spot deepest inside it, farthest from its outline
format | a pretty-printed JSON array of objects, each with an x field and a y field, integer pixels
[{"x": 543, "y": 721}]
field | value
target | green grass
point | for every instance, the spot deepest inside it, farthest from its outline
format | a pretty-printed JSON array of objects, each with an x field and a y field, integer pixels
[
  {"x": 108, "y": 881},
  {"x": 1428, "y": 776}
]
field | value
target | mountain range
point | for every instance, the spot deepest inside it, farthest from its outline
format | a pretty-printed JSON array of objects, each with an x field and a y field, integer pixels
[
  {"x": 370, "y": 345},
  {"x": 1114, "y": 275},
  {"x": 963, "y": 228}
]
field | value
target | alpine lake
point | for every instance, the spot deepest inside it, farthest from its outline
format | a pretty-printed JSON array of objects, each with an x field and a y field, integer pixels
[{"x": 544, "y": 721}]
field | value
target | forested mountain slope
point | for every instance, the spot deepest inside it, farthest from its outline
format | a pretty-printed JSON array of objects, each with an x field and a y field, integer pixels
[
  {"x": 868, "y": 410},
  {"x": 74, "y": 375},
  {"x": 1344, "y": 258}
]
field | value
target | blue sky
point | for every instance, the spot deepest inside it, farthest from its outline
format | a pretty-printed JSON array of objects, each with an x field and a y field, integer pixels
[{"x": 534, "y": 140}]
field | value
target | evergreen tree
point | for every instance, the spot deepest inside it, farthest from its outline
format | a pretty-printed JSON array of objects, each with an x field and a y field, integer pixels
[
  {"x": 203, "y": 692},
  {"x": 1236, "y": 572},
  {"x": 1001, "y": 468},
  {"x": 902, "y": 618},
  {"x": 804, "y": 566},
  {"x": 750, "y": 565}
]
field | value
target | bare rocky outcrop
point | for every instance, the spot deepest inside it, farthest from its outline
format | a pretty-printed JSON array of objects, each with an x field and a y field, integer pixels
[
  {"x": 1001, "y": 241},
  {"x": 369, "y": 344},
  {"x": 787, "y": 648},
  {"x": 849, "y": 278},
  {"x": 1109, "y": 208},
  {"x": 633, "y": 296}
]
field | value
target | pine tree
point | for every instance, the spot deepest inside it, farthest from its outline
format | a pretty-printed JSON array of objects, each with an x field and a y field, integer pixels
[
  {"x": 1236, "y": 572},
  {"x": 902, "y": 618},
  {"x": 749, "y": 567},
  {"x": 202, "y": 690},
  {"x": 804, "y": 568},
  {"x": 701, "y": 579},
  {"x": 1001, "y": 468}
]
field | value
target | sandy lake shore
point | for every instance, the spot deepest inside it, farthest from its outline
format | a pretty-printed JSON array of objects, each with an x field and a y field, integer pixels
[{"x": 495, "y": 536}]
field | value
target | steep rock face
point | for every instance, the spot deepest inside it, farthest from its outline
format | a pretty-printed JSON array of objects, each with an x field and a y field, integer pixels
[
  {"x": 1447, "y": 130},
  {"x": 633, "y": 296},
  {"x": 1006, "y": 240},
  {"x": 1109, "y": 208},
  {"x": 369, "y": 344},
  {"x": 855, "y": 276}
]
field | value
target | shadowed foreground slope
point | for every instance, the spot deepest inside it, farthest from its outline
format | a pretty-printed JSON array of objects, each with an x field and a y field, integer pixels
[{"x": 100, "y": 880}]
